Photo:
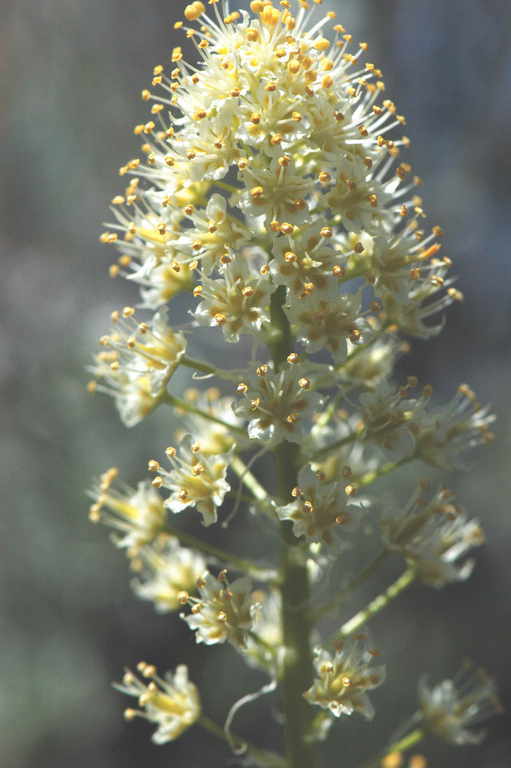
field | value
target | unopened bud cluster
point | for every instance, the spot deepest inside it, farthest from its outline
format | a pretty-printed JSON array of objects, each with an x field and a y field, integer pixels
[{"x": 274, "y": 193}]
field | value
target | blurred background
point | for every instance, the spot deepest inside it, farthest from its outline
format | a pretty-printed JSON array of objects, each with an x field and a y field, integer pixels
[{"x": 71, "y": 74}]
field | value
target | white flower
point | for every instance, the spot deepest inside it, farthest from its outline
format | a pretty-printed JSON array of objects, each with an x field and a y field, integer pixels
[
  {"x": 264, "y": 643},
  {"x": 279, "y": 406},
  {"x": 343, "y": 679},
  {"x": 278, "y": 132},
  {"x": 446, "y": 432},
  {"x": 172, "y": 703},
  {"x": 370, "y": 365},
  {"x": 148, "y": 230},
  {"x": 223, "y": 611},
  {"x": 162, "y": 281},
  {"x": 360, "y": 198},
  {"x": 214, "y": 235},
  {"x": 137, "y": 363},
  {"x": 327, "y": 319},
  {"x": 320, "y": 508},
  {"x": 433, "y": 537},
  {"x": 168, "y": 573},
  {"x": 195, "y": 479},
  {"x": 351, "y": 458},
  {"x": 388, "y": 414},
  {"x": 276, "y": 189},
  {"x": 138, "y": 514},
  {"x": 215, "y": 436},
  {"x": 238, "y": 302},
  {"x": 305, "y": 261},
  {"x": 451, "y": 708},
  {"x": 408, "y": 308},
  {"x": 131, "y": 393}
]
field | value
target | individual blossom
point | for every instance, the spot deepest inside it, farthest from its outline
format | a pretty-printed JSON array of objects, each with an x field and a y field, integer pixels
[
  {"x": 138, "y": 515},
  {"x": 409, "y": 255},
  {"x": 130, "y": 391},
  {"x": 171, "y": 702},
  {"x": 305, "y": 261},
  {"x": 320, "y": 509},
  {"x": 144, "y": 231},
  {"x": 446, "y": 432},
  {"x": 278, "y": 405},
  {"x": 161, "y": 281},
  {"x": 138, "y": 361},
  {"x": 237, "y": 302},
  {"x": 328, "y": 320},
  {"x": 388, "y": 414},
  {"x": 422, "y": 295},
  {"x": 344, "y": 677},
  {"x": 264, "y": 643},
  {"x": 434, "y": 537},
  {"x": 213, "y": 237},
  {"x": 167, "y": 573},
  {"x": 277, "y": 190},
  {"x": 371, "y": 365},
  {"x": 195, "y": 479},
  {"x": 452, "y": 708},
  {"x": 216, "y": 435},
  {"x": 335, "y": 448},
  {"x": 360, "y": 197},
  {"x": 222, "y": 611}
]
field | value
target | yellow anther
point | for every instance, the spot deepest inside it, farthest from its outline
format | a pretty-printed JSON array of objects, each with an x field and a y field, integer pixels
[
  {"x": 257, "y": 192},
  {"x": 322, "y": 44},
  {"x": 270, "y": 16},
  {"x": 194, "y": 10}
]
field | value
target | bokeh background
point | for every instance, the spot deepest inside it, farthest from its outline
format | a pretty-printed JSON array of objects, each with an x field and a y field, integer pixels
[{"x": 71, "y": 73}]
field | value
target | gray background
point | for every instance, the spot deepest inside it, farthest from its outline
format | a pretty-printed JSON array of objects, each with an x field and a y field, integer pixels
[{"x": 71, "y": 75}]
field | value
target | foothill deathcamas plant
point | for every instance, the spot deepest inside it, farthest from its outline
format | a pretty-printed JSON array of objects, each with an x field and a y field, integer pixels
[{"x": 273, "y": 191}]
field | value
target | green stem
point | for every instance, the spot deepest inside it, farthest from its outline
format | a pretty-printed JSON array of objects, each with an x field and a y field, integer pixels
[
  {"x": 227, "y": 187},
  {"x": 378, "y": 603},
  {"x": 371, "y": 477},
  {"x": 249, "y": 480},
  {"x": 403, "y": 745},
  {"x": 261, "y": 756},
  {"x": 201, "y": 367},
  {"x": 241, "y": 564},
  {"x": 297, "y": 670},
  {"x": 182, "y": 405}
]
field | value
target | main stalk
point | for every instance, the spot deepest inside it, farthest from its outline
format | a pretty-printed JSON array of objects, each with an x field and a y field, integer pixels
[{"x": 295, "y": 588}]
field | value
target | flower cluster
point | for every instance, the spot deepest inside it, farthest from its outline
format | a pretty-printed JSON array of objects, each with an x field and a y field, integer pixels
[
  {"x": 168, "y": 572},
  {"x": 451, "y": 708},
  {"x": 273, "y": 191},
  {"x": 139, "y": 515},
  {"x": 172, "y": 703},
  {"x": 320, "y": 508},
  {"x": 223, "y": 611},
  {"x": 277, "y": 404},
  {"x": 136, "y": 362},
  {"x": 433, "y": 537},
  {"x": 343, "y": 679},
  {"x": 195, "y": 479}
]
